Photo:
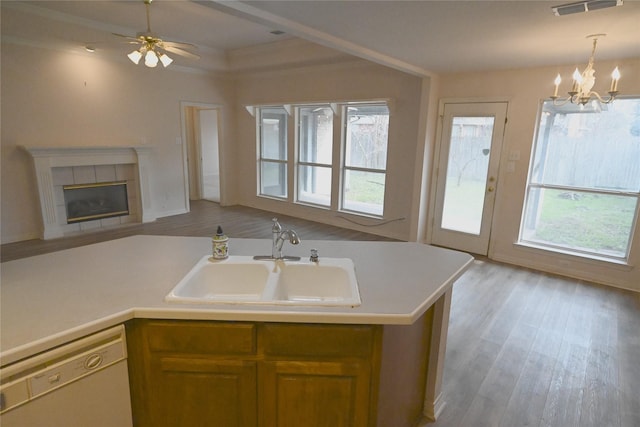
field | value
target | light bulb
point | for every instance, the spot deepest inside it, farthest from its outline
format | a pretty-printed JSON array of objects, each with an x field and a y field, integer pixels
[
  {"x": 615, "y": 76},
  {"x": 577, "y": 76},
  {"x": 135, "y": 57},
  {"x": 151, "y": 59},
  {"x": 557, "y": 82},
  {"x": 166, "y": 61}
]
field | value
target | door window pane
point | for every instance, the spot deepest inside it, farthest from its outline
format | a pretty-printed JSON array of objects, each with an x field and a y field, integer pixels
[
  {"x": 467, "y": 168},
  {"x": 584, "y": 180}
]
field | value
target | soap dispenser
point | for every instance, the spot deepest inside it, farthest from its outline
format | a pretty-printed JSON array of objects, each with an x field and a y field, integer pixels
[{"x": 220, "y": 245}]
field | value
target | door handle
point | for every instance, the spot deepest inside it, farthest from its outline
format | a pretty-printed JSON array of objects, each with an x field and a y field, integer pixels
[{"x": 490, "y": 189}]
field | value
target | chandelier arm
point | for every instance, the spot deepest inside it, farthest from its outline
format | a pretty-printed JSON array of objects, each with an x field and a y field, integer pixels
[
  {"x": 564, "y": 101},
  {"x": 608, "y": 100}
]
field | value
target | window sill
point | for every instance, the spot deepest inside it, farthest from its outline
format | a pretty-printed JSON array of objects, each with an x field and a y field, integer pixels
[{"x": 621, "y": 264}]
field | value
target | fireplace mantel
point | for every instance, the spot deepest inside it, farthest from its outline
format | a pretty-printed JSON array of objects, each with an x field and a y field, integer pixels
[{"x": 47, "y": 158}]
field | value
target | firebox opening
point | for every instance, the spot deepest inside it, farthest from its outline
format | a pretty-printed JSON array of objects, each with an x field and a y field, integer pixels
[{"x": 86, "y": 202}]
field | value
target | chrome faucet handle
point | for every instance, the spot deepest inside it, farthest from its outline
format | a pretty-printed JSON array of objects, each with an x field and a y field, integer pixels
[
  {"x": 276, "y": 227},
  {"x": 314, "y": 256}
]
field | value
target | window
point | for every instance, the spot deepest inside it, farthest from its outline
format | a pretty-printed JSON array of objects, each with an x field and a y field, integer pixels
[
  {"x": 315, "y": 151},
  {"x": 584, "y": 180},
  {"x": 365, "y": 158},
  {"x": 359, "y": 178},
  {"x": 273, "y": 152}
]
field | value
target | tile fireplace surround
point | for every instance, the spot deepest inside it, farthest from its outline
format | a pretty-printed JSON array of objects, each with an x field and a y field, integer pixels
[{"x": 53, "y": 162}]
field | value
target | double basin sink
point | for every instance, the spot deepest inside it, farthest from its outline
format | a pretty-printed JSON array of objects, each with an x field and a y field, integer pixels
[{"x": 245, "y": 280}]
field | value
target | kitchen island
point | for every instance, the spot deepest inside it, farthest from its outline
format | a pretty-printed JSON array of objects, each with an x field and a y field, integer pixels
[{"x": 405, "y": 289}]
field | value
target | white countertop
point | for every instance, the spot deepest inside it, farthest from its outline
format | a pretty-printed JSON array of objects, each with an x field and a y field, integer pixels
[{"x": 50, "y": 299}]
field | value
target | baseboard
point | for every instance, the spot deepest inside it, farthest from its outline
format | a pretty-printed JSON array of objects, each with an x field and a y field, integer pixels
[{"x": 432, "y": 410}]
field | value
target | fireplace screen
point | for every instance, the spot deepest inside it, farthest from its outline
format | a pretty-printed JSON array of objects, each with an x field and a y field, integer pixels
[{"x": 86, "y": 202}]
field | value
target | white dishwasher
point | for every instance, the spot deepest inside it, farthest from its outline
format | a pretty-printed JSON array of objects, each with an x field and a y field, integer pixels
[{"x": 83, "y": 383}]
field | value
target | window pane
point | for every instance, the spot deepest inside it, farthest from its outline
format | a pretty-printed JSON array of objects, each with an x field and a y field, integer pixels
[
  {"x": 315, "y": 134},
  {"x": 364, "y": 192},
  {"x": 273, "y": 133},
  {"x": 589, "y": 155},
  {"x": 367, "y": 135},
  {"x": 314, "y": 185},
  {"x": 467, "y": 173},
  {"x": 273, "y": 179},
  {"x": 590, "y": 150},
  {"x": 598, "y": 223}
]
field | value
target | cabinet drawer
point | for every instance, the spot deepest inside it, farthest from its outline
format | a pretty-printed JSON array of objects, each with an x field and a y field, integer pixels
[
  {"x": 318, "y": 340},
  {"x": 201, "y": 337}
]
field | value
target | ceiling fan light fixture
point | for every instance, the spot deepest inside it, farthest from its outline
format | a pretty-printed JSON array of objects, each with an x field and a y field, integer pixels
[
  {"x": 151, "y": 59},
  {"x": 135, "y": 57},
  {"x": 166, "y": 61},
  {"x": 152, "y": 48}
]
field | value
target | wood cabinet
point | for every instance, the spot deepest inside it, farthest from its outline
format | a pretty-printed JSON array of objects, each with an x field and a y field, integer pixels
[
  {"x": 318, "y": 375},
  {"x": 227, "y": 374},
  {"x": 236, "y": 374}
]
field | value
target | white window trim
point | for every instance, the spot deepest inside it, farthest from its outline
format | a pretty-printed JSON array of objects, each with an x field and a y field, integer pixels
[{"x": 563, "y": 250}]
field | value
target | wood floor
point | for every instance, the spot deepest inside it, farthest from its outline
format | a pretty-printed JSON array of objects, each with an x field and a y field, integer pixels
[
  {"x": 531, "y": 349},
  {"x": 524, "y": 348},
  {"x": 204, "y": 218}
]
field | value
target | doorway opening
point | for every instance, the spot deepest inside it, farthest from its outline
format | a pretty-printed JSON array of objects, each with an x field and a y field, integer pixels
[{"x": 202, "y": 134}]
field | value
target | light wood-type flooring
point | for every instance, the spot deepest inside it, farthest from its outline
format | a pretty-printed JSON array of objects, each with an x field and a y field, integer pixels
[{"x": 524, "y": 348}]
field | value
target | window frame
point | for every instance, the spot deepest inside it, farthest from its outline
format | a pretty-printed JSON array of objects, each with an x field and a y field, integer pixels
[
  {"x": 284, "y": 148},
  {"x": 299, "y": 164},
  {"x": 344, "y": 168},
  {"x": 338, "y": 167},
  {"x": 536, "y": 184}
]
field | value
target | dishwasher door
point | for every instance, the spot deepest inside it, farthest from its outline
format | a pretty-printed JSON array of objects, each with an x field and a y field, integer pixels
[{"x": 84, "y": 383}]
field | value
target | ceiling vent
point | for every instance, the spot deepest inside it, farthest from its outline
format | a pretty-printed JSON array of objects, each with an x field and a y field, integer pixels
[{"x": 584, "y": 6}]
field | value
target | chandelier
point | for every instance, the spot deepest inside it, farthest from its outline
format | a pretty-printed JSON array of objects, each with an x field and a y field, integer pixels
[{"x": 581, "y": 92}]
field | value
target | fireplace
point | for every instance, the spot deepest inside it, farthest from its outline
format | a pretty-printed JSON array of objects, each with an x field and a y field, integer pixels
[
  {"x": 87, "y": 202},
  {"x": 59, "y": 167}
]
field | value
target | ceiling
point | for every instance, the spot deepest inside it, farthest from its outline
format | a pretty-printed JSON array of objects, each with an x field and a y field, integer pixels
[{"x": 421, "y": 37}]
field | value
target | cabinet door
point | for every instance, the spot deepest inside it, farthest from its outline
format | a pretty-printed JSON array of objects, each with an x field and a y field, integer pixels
[
  {"x": 315, "y": 394},
  {"x": 202, "y": 392}
]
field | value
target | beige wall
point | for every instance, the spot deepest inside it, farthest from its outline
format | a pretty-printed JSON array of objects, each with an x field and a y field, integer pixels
[
  {"x": 356, "y": 80},
  {"x": 524, "y": 89},
  {"x": 57, "y": 98}
]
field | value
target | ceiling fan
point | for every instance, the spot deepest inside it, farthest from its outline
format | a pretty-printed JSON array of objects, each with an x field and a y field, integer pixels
[{"x": 153, "y": 48}]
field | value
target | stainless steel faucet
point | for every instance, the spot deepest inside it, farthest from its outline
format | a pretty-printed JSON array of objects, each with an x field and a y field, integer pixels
[{"x": 278, "y": 237}]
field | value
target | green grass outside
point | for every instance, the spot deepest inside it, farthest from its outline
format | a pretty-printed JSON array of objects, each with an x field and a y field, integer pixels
[
  {"x": 366, "y": 187},
  {"x": 591, "y": 221}
]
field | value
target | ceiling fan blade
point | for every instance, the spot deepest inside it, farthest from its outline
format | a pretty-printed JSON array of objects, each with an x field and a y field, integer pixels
[
  {"x": 180, "y": 45},
  {"x": 136, "y": 39},
  {"x": 179, "y": 51}
]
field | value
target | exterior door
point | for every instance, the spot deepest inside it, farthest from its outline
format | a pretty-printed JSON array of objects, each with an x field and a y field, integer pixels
[{"x": 470, "y": 139}]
